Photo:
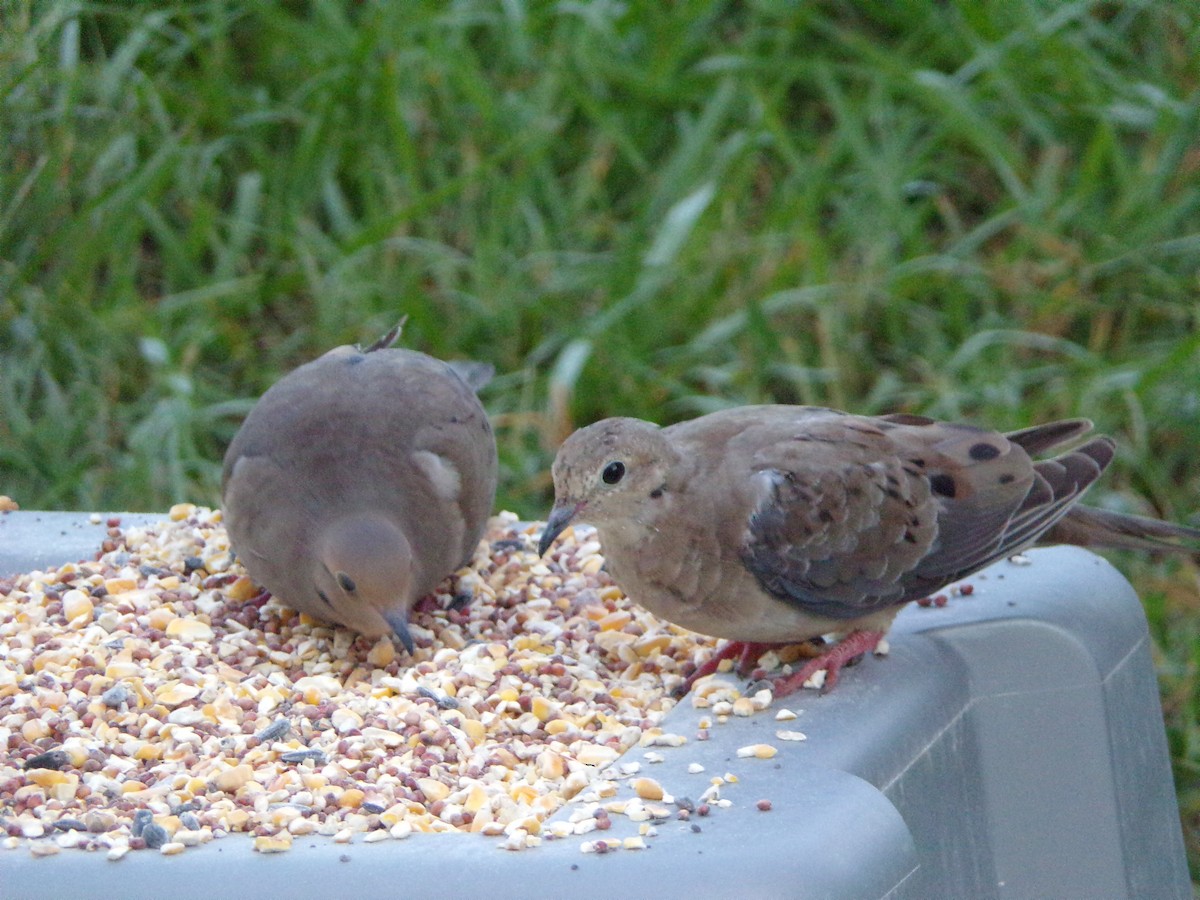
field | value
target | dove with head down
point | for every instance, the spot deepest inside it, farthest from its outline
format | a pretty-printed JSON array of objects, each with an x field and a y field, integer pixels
[{"x": 358, "y": 482}]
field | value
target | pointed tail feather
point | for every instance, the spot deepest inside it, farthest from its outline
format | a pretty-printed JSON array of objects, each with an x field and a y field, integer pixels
[
  {"x": 1087, "y": 526},
  {"x": 388, "y": 339},
  {"x": 1040, "y": 438}
]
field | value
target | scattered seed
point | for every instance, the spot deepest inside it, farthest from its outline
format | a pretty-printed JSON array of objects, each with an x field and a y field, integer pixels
[
  {"x": 141, "y": 819},
  {"x": 277, "y": 843},
  {"x": 757, "y": 751},
  {"x": 189, "y": 705},
  {"x": 647, "y": 788},
  {"x": 817, "y": 679},
  {"x": 443, "y": 701},
  {"x": 117, "y": 696},
  {"x": 743, "y": 706},
  {"x": 155, "y": 836},
  {"x": 275, "y": 731},
  {"x": 51, "y": 759},
  {"x": 299, "y": 756}
]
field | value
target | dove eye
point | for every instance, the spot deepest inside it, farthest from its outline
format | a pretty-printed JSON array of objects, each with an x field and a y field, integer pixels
[{"x": 613, "y": 472}]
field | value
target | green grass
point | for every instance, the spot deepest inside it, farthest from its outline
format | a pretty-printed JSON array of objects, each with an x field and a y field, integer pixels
[{"x": 981, "y": 209}]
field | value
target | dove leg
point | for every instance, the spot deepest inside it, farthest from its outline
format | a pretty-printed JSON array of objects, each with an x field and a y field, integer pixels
[
  {"x": 747, "y": 653},
  {"x": 730, "y": 650},
  {"x": 849, "y": 648},
  {"x": 750, "y": 654}
]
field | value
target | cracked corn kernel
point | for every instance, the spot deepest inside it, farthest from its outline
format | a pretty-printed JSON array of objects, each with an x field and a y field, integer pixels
[
  {"x": 242, "y": 590},
  {"x": 596, "y": 755},
  {"x": 119, "y": 585},
  {"x": 190, "y": 630},
  {"x": 382, "y": 653},
  {"x": 542, "y": 707},
  {"x": 647, "y": 788},
  {"x": 173, "y": 693},
  {"x": 352, "y": 798},
  {"x": 433, "y": 789},
  {"x": 757, "y": 751},
  {"x": 273, "y": 843},
  {"x": 77, "y": 607},
  {"x": 233, "y": 778}
]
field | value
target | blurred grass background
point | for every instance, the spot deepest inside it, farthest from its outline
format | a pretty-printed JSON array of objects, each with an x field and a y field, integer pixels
[{"x": 987, "y": 209}]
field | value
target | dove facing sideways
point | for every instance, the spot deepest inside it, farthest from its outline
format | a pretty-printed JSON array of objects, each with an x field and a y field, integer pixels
[
  {"x": 772, "y": 525},
  {"x": 358, "y": 482}
]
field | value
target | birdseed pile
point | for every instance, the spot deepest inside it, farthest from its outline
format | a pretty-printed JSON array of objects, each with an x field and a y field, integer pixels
[{"x": 153, "y": 699}]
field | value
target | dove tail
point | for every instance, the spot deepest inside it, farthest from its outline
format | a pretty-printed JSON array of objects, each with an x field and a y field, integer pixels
[
  {"x": 1091, "y": 527},
  {"x": 388, "y": 339},
  {"x": 1040, "y": 438}
]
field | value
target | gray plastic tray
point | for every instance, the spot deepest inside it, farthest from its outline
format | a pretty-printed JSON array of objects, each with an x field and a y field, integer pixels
[{"x": 1011, "y": 746}]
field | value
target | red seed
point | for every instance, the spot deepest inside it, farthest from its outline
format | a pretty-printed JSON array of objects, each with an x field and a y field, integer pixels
[{"x": 763, "y": 805}]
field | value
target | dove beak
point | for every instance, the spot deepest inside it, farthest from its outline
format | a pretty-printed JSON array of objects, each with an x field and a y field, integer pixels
[
  {"x": 398, "y": 619},
  {"x": 560, "y": 517}
]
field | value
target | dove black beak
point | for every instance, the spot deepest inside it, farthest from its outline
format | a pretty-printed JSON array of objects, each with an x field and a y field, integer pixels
[
  {"x": 399, "y": 622},
  {"x": 560, "y": 518}
]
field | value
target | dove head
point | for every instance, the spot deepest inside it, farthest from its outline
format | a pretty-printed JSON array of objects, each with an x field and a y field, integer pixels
[
  {"x": 608, "y": 474},
  {"x": 364, "y": 576}
]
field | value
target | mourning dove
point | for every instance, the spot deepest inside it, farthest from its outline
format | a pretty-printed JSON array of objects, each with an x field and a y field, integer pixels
[
  {"x": 358, "y": 482},
  {"x": 772, "y": 525}
]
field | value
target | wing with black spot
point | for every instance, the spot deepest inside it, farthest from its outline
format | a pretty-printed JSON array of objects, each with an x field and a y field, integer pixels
[{"x": 857, "y": 514}]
